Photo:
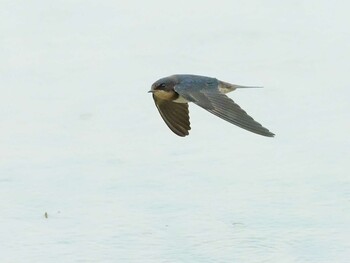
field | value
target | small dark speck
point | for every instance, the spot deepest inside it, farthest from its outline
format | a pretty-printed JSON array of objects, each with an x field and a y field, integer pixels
[{"x": 46, "y": 215}]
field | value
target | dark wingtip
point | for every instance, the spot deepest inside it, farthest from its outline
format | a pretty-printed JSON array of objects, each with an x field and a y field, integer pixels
[
  {"x": 181, "y": 133},
  {"x": 269, "y": 134}
]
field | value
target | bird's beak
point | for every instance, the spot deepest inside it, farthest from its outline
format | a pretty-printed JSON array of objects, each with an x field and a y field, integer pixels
[{"x": 150, "y": 91}]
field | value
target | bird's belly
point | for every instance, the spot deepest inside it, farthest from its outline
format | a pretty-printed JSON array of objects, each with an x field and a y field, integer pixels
[{"x": 180, "y": 99}]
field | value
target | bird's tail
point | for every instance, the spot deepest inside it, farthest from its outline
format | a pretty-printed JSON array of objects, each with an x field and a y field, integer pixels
[
  {"x": 225, "y": 87},
  {"x": 246, "y": 87}
]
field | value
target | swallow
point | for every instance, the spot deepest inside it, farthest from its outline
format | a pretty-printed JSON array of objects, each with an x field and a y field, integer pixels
[{"x": 172, "y": 95}]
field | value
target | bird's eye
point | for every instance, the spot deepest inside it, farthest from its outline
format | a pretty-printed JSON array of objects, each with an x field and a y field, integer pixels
[{"x": 162, "y": 85}]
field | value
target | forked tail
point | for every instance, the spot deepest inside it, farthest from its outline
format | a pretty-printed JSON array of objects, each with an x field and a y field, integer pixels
[{"x": 225, "y": 87}]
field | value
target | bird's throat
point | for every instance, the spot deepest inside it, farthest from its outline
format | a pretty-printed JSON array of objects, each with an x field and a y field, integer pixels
[{"x": 166, "y": 95}]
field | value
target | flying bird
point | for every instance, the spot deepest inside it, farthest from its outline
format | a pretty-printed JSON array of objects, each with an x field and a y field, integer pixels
[{"x": 172, "y": 95}]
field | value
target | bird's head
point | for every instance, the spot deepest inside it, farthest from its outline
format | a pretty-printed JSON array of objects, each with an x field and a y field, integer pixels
[{"x": 164, "y": 88}]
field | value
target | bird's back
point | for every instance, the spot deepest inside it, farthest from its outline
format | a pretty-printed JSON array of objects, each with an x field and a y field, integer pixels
[{"x": 196, "y": 82}]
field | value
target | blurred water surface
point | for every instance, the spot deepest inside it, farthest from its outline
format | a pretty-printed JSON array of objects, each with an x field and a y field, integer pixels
[{"x": 82, "y": 141}]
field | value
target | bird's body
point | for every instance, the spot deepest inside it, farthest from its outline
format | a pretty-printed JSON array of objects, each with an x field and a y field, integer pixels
[{"x": 172, "y": 94}]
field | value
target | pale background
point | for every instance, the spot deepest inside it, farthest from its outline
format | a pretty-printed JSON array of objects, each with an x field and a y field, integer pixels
[{"x": 81, "y": 139}]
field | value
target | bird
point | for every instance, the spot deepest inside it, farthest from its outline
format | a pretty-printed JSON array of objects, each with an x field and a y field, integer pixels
[{"x": 172, "y": 95}]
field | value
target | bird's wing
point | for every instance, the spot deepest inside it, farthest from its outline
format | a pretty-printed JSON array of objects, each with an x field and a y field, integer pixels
[
  {"x": 175, "y": 115},
  {"x": 210, "y": 99}
]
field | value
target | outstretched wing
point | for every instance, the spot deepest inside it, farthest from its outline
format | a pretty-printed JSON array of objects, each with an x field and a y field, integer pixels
[
  {"x": 210, "y": 99},
  {"x": 175, "y": 115}
]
